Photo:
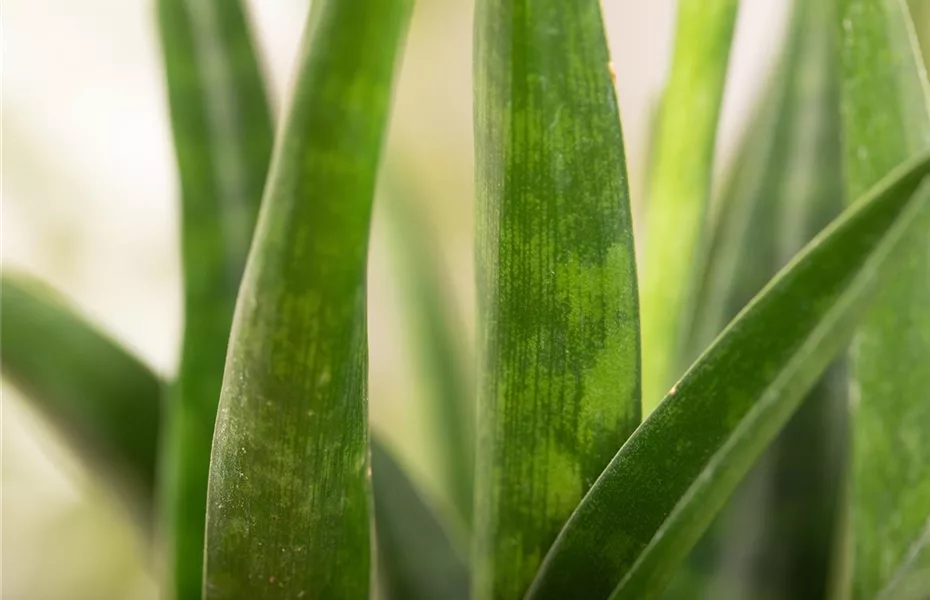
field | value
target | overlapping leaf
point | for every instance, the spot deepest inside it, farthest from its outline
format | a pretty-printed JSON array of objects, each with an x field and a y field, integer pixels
[
  {"x": 288, "y": 499},
  {"x": 222, "y": 138},
  {"x": 776, "y": 538},
  {"x": 886, "y": 120},
  {"x": 558, "y": 316},
  {"x": 104, "y": 401},
  {"x": 665, "y": 485}
]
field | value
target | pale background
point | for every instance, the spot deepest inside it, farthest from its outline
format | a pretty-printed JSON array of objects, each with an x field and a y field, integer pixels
[{"x": 89, "y": 204}]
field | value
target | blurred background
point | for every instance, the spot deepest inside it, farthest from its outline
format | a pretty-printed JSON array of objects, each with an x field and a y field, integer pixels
[{"x": 90, "y": 204}]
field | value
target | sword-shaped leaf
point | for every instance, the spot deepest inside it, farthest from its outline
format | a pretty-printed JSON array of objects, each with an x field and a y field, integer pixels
[
  {"x": 222, "y": 139},
  {"x": 105, "y": 402},
  {"x": 289, "y": 493},
  {"x": 664, "y": 487},
  {"x": 558, "y": 318},
  {"x": 886, "y": 121}
]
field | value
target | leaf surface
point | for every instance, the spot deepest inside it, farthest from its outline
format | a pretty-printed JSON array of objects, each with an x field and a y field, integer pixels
[
  {"x": 289, "y": 492},
  {"x": 680, "y": 183},
  {"x": 663, "y": 488},
  {"x": 886, "y": 121},
  {"x": 103, "y": 401},
  {"x": 222, "y": 138},
  {"x": 558, "y": 317},
  {"x": 777, "y": 536}
]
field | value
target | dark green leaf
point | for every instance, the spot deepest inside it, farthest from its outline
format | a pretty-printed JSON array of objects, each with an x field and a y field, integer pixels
[
  {"x": 558, "y": 319},
  {"x": 223, "y": 135},
  {"x": 104, "y": 401},
  {"x": 288, "y": 500},
  {"x": 680, "y": 183},
  {"x": 416, "y": 557},
  {"x": 776, "y": 537},
  {"x": 449, "y": 410},
  {"x": 886, "y": 120},
  {"x": 668, "y": 481}
]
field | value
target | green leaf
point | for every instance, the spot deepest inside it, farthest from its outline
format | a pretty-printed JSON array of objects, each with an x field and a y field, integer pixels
[
  {"x": 449, "y": 410},
  {"x": 102, "y": 400},
  {"x": 558, "y": 319},
  {"x": 680, "y": 183},
  {"x": 886, "y": 120},
  {"x": 222, "y": 137},
  {"x": 415, "y": 555},
  {"x": 288, "y": 499},
  {"x": 663, "y": 488},
  {"x": 776, "y": 537}
]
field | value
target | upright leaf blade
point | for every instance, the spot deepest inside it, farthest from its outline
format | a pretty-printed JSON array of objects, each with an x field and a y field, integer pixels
[
  {"x": 886, "y": 120},
  {"x": 665, "y": 485},
  {"x": 558, "y": 318},
  {"x": 680, "y": 183},
  {"x": 104, "y": 401},
  {"x": 223, "y": 135},
  {"x": 288, "y": 500}
]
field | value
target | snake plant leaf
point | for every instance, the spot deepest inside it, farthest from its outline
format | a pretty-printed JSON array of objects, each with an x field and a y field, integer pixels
[
  {"x": 558, "y": 319},
  {"x": 449, "y": 410},
  {"x": 416, "y": 557},
  {"x": 222, "y": 137},
  {"x": 886, "y": 120},
  {"x": 289, "y": 493},
  {"x": 776, "y": 537},
  {"x": 104, "y": 401},
  {"x": 680, "y": 183},
  {"x": 665, "y": 485}
]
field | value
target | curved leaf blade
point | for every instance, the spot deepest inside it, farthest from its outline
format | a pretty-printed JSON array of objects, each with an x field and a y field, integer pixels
[
  {"x": 415, "y": 554},
  {"x": 288, "y": 498},
  {"x": 680, "y": 183},
  {"x": 665, "y": 485},
  {"x": 222, "y": 136},
  {"x": 103, "y": 400},
  {"x": 886, "y": 120},
  {"x": 558, "y": 317},
  {"x": 777, "y": 536}
]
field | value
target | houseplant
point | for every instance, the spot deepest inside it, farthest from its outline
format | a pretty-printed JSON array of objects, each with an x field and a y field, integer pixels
[{"x": 559, "y": 383}]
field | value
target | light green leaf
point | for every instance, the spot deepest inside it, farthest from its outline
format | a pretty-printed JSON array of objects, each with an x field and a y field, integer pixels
[
  {"x": 776, "y": 537},
  {"x": 288, "y": 499},
  {"x": 103, "y": 401},
  {"x": 222, "y": 137},
  {"x": 680, "y": 183},
  {"x": 886, "y": 120},
  {"x": 415, "y": 554},
  {"x": 558, "y": 319},
  {"x": 442, "y": 361},
  {"x": 663, "y": 488}
]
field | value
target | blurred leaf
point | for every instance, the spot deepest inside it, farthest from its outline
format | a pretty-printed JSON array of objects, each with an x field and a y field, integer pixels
[
  {"x": 416, "y": 557},
  {"x": 886, "y": 120},
  {"x": 558, "y": 318},
  {"x": 668, "y": 481},
  {"x": 680, "y": 183},
  {"x": 222, "y": 137},
  {"x": 776, "y": 537},
  {"x": 450, "y": 413},
  {"x": 102, "y": 400},
  {"x": 288, "y": 500}
]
